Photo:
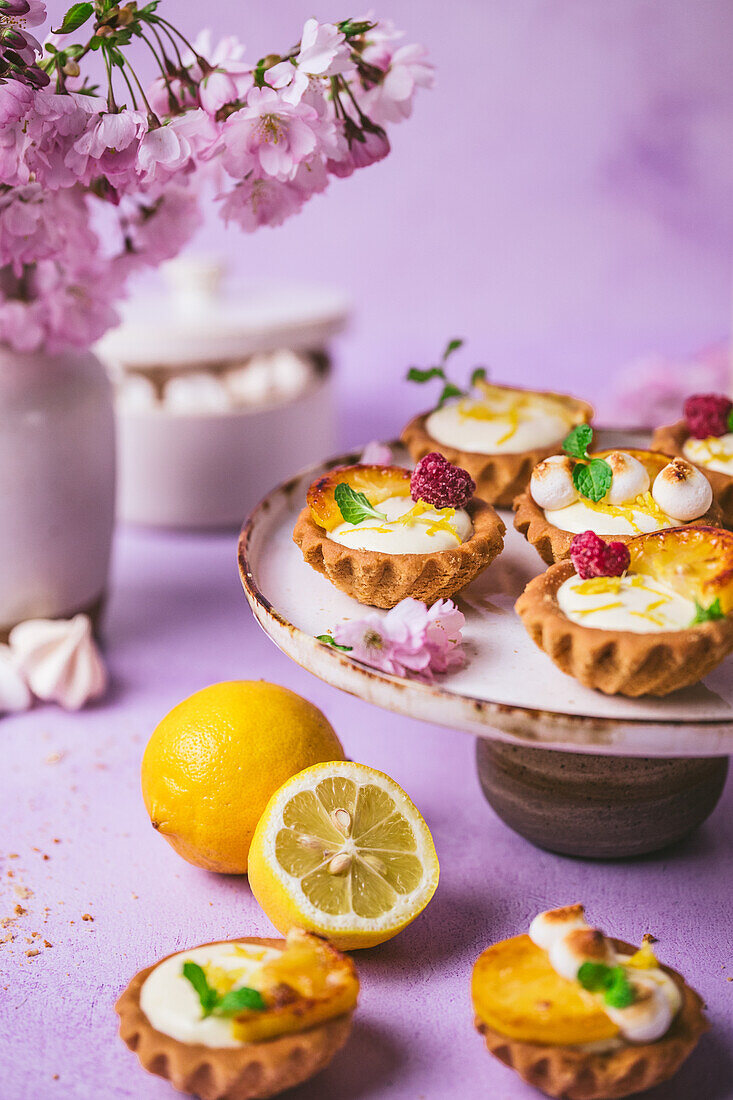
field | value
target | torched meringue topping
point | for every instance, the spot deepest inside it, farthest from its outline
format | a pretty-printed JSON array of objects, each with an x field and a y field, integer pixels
[{"x": 570, "y": 941}]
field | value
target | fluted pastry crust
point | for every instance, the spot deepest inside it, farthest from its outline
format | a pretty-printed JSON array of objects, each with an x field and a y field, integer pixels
[
  {"x": 253, "y": 1071},
  {"x": 553, "y": 544},
  {"x": 619, "y": 662},
  {"x": 571, "y": 1074},
  {"x": 382, "y": 580},
  {"x": 498, "y": 477},
  {"x": 671, "y": 440}
]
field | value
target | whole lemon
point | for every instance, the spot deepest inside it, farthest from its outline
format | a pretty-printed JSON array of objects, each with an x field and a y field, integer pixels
[{"x": 215, "y": 760}]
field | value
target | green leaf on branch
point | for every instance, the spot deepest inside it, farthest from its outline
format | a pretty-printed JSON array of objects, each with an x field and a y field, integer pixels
[
  {"x": 594, "y": 480},
  {"x": 354, "y": 507},
  {"x": 451, "y": 346},
  {"x": 76, "y": 17},
  {"x": 709, "y": 614},
  {"x": 478, "y": 375},
  {"x": 577, "y": 442}
]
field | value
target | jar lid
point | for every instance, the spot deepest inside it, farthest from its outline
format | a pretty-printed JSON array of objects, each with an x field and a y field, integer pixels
[{"x": 195, "y": 322}]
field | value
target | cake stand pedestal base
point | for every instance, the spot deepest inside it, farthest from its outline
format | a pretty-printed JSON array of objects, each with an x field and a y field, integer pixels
[{"x": 601, "y": 807}]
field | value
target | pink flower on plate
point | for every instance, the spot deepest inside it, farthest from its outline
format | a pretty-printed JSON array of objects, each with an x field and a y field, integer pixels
[
  {"x": 410, "y": 639},
  {"x": 272, "y": 137},
  {"x": 376, "y": 454},
  {"x": 323, "y": 52}
]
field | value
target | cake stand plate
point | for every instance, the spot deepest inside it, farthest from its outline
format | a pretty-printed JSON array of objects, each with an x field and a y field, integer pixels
[{"x": 571, "y": 769}]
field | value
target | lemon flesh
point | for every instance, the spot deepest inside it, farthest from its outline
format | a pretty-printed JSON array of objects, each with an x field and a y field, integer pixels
[{"x": 341, "y": 850}]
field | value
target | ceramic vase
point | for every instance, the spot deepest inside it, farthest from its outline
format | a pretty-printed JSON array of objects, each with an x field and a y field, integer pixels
[{"x": 57, "y": 485}]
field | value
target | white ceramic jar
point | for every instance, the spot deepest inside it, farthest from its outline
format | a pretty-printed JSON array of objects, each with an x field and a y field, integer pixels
[
  {"x": 57, "y": 485},
  {"x": 219, "y": 397}
]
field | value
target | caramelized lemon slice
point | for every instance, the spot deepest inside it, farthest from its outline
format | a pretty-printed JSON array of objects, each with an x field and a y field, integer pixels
[
  {"x": 341, "y": 850},
  {"x": 516, "y": 992},
  {"x": 697, "y": 562},
  {"x": 378, "y": 483},
  {"x": 308, "y": 983}
]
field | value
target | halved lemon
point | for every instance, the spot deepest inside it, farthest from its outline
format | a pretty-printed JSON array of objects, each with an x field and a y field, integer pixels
[{"x": 342, "y": 851}]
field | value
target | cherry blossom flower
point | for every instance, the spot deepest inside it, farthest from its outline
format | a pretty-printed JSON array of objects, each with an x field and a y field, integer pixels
[
  {"x": 166, "y": 150},
  {"x": 411, "y": 639},
  {"x": 258, "y": 201},
  {"x": 323, "y": 52},
  {"x": 406, "y": 70},
  {"x": 364, "y": 147}
]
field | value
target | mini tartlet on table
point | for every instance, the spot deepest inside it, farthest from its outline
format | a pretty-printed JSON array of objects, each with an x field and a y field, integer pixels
[
  {"x": 384, "y": 533},
  {"x": 643, "y": 618},
  {"x": 619, "y": 494},
  {"x": 581, "y": 1016},
  {"x": 241, "y": 1019},
  {"x": 497, "y": 433},
  {"x": 704, "y": 436}
]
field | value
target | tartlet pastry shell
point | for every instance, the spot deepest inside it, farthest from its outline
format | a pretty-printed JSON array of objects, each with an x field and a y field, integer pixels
[
  {"x": 619, "y": 662},
  {"x": 571, "y": 1074},
  {"x": 498, "y": 477},
  {"x": 553, "y": 544},
  {"x": 382, "y": 580},
  {"x": 253, "y": 1071},
  {"x": 671, "y": 440}
]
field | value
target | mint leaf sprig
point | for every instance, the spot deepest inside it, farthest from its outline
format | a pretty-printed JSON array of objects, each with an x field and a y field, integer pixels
[
  {"x": 214, "y": 1003},
  {"x": 353, "y": 506},
  {"x": 611, "y": 981},
  {"x": 450, "y": 389},
  {"x": 330, "y": 640},
  {"x": 592, "y": 477},
  {"x": 709, "y": 614}
]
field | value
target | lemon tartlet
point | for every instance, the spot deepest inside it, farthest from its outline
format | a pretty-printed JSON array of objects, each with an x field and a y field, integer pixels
[
  {"x": 659, "y": 622},
  {"x": 705, "y": 437},
  {"x": 497, "y": 433},
  {"x": 581, "y": 1016},
  {"x": 375, "y": 541},
  {"x": 618, "y": 494},
  {"x": 241, "y": 1019}
]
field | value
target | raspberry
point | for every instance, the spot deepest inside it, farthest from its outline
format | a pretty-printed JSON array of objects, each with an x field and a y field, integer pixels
[
  {"x": 707, "y": 414},
  {"x": 592, "y": 557},
  {"x": 440, "y": 483}
]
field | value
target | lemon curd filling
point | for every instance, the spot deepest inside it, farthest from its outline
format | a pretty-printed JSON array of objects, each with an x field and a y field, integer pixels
[
  {"x": 499, "y": 423},
  {"x": 634, "y": 517},
  {"x": 715, "y": 452},
  {"x": 634, "y": 603},
  {"x": 410, "y": 528},
  {"x": 170, "y": 1002}
]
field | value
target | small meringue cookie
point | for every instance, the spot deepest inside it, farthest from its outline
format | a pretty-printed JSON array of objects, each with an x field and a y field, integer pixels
[
  {"x": 650, "y": 1015},
  {"x": 548, "y": 927},
  {"x": 376, "y": 454},
  {"x": 291, "y": 372},
  {"x": 682, "y": 491},
  {"x": 551, "y": 485},
  {"x": 252, "y": 383},
  {"x": 568, "y": 953},
  {"x": 196, "y": 392},
  {"x": 15, "y": 694},
  {"x": 136, "y": 394},
  {"x": 60, "y": 660},
  {"x": 630, "y": 477}
]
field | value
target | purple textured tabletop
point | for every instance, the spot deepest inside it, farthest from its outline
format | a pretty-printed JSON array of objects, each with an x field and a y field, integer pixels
[{"x": 90, "y": 894}]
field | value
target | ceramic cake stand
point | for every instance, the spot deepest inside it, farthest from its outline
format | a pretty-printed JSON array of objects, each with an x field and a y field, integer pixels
[{"x": 570, "y": 769}]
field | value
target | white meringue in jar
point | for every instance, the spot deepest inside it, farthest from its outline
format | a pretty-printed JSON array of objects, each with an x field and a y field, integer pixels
[
  {"x": 60, "y": 660},
  {"x": 682, "y": 491},
  {"x": 196, "y": 392}
]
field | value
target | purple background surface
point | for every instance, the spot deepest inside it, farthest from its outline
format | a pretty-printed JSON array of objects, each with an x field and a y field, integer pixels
[
  {"x": 562, "y": 199},
  {"x": 177, "y": 621}
]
